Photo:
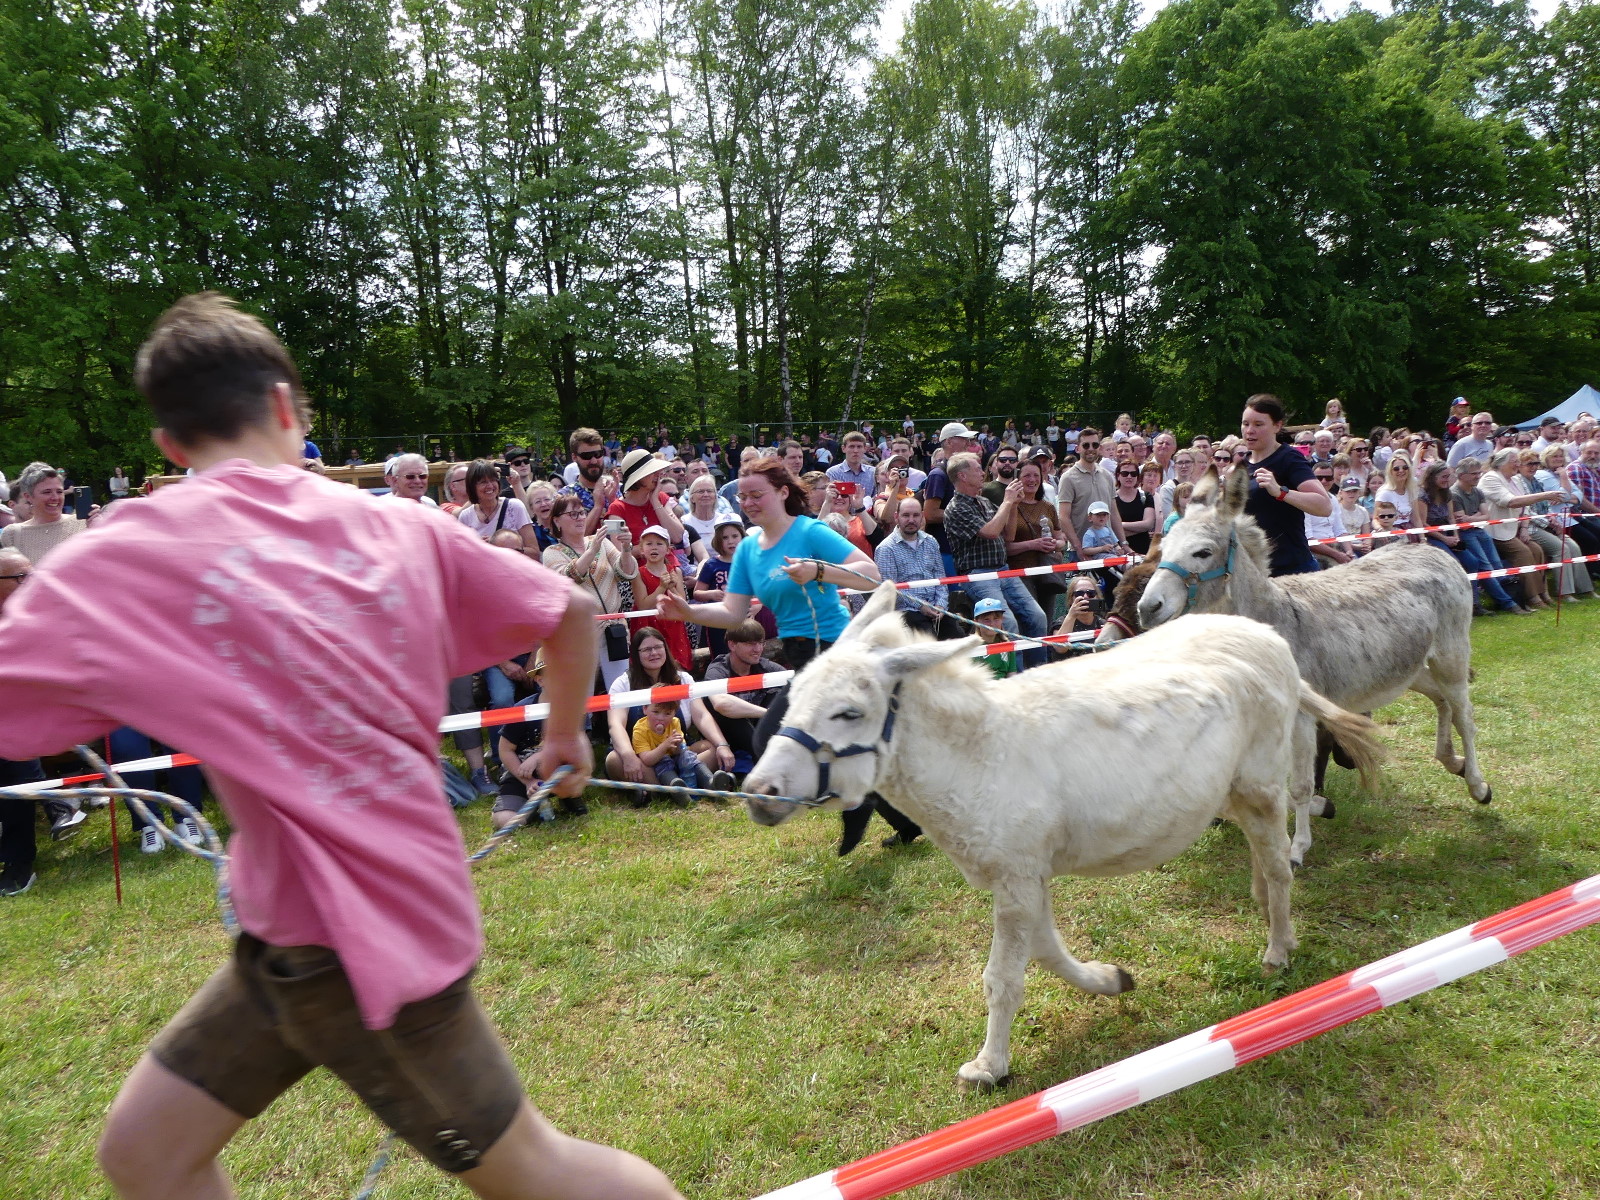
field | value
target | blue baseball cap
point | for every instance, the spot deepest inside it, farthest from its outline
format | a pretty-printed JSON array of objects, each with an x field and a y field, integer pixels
[{"x": 984, "y": 607}]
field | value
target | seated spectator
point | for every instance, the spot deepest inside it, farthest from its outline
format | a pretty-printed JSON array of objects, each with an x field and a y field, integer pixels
[
  {"x": 1438, "y": 509},
  {"x": 739, "y": 713},
  {"x": 490, "y": 512},
  {"x": 454, "y": 489},
  {"x": 517, "y": 746},
  {"x": 1329, "y": 554},
  {"x": 1549, "y": 525},
  {"x": 1086, "y": 607},
  {"x": 1478, "y": 548},
  {"x": 602, "y": 563},
  {"x": 649, "y": 666},
  {"x": 186, "y": 783},
  {"x": 990, "y": 614},
  {"x": 1098, "y": 539},
  {"x": 18, "y": 842},
  {"x": 1400, "y": 489},
  {"x": 1583, "y": 478},
  {"x": 658, "y": 741},
  {"x": 1386, "y": 520},
  {"x": 975, "y": 530},
  {"x": 407, "y": 477},
  {"x": 1352, "y": 517},
  {"x": 44, "y": 489},
  {"x": 1502, "y": 500}
]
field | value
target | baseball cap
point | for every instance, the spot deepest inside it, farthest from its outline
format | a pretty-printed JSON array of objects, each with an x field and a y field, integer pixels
[
  {"x": 1099, "y": 506},
  {"x": 984, "y": 607},
  {"x": 658, "y": 530},
  {"x": 1350, "y": 484},
  {"x": 955, "y": 429}
]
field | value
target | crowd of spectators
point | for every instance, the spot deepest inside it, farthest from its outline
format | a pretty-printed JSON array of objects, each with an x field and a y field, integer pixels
[{"x": 743, "y": 554}]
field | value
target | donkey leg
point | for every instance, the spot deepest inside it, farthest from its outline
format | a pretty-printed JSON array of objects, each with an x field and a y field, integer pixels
[
  {"x": 1429, "y": 685},
  {"x": 1302, "y": 755},
  {"x": 1259, "y": 812},
  {"x": 1050, "y": 950},
  {"x": 1466, "y": 726},
  {"x": 1002, "y": 988}
]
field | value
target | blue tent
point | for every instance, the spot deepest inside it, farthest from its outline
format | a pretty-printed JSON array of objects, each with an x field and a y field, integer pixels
[{"x": 1585, "y": 399}]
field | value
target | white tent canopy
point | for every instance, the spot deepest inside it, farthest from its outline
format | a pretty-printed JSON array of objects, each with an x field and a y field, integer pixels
[{"x": 1585, "y": 400}]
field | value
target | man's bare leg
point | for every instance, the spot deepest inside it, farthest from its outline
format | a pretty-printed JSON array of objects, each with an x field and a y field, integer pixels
[
  {"x": 533, "y": 1160},
  {"x": 163, "y": 1137}
]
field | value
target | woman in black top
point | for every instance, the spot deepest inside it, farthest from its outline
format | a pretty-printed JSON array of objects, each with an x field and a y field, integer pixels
[
  {"x": 1137, "y": 509},
  {"x": 1282, "y": 489}
]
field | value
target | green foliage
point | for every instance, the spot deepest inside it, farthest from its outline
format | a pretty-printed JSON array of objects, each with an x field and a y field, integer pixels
[{"x": 519, "y": 215}]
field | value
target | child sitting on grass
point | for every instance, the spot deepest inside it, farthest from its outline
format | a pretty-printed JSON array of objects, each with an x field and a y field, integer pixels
[
  {"x": 991, "y": 614},
  {"x": 658, "y": 741}
]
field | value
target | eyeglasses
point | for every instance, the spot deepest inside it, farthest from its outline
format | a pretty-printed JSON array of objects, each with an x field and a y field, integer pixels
[
  {"x": 413, "y": 477},
  {"x": 519, "y": 462},
  {"x": 1528, "y": 443},
  {"x": 586, "y": 454},
  {"x": 1398, "y": 467},
  {"x": 1222, "y": 458},
  {"x": 1088, "y": 445}
]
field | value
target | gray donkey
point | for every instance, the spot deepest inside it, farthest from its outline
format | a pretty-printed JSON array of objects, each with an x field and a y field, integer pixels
[{"x": 1363, "y": 633}]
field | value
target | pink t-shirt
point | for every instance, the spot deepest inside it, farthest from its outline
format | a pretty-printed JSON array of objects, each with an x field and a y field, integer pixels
[{"x": 299, "y": 636}]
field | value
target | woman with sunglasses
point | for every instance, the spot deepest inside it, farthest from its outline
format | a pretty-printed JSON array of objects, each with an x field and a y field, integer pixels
[
  {"x": 455, "y": 490},
  {"x": 1400, "y": 488},
  {"x": 1136, "y": 507},
  {"x": 1282, "y": 489},
  {"x": 1085, "y": 606}
]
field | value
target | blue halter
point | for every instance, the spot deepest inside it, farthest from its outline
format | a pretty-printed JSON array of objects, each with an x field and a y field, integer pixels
[
  {"x": 1193, "y": 579},
  {"x": 826, "y": 755}
]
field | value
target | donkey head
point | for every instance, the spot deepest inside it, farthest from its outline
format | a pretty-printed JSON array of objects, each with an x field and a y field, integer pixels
[
  {"x": 843, "y": 709},
  {"x": 1198, "y": 554}
]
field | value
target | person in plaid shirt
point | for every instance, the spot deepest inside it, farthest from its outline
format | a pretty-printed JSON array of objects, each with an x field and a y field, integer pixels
[{"x": 975, "y": 528}]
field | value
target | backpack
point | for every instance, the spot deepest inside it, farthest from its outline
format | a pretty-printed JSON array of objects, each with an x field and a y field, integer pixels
[{"x": 458, "y": 789}]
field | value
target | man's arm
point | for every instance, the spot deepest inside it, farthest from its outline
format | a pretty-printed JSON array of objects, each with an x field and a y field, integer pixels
[
  {"x": 736, "y": 706},
  {"x": 569, "y": 663},
  {"x": 1064, "y": 515}
]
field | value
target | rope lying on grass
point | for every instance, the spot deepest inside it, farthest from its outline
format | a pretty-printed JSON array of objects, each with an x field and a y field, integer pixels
[{"x": 1207, "y": 1052}]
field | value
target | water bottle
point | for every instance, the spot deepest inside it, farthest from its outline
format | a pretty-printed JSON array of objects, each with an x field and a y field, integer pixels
[{"x": 1044, "y": 529}]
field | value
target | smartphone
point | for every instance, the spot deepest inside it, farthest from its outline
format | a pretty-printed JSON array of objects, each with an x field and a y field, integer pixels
[
  {"x": 846, "y": 489},
  {"x": 615, "y": 525}
]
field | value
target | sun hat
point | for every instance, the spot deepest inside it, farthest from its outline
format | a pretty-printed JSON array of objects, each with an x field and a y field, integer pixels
[
  {"x": 639, "y": 466},
  {"x": 984, "y": 607}
]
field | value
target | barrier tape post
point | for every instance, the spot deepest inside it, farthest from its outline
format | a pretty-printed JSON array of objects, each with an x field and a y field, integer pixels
[{"x": 1207, "y": 1052}]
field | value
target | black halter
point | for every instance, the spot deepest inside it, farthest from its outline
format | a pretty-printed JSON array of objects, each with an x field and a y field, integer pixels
[{"x": 826, "y": 755}]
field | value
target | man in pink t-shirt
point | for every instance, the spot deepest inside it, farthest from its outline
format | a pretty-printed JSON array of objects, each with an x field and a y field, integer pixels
[{"x": 304, "y": 635}]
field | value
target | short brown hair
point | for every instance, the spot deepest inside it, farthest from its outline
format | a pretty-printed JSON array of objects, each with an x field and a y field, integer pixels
[
  {"x": 207, "y": 369},
  {"x": 583, "y": 436},
  {"x": 746, "y": 631}
]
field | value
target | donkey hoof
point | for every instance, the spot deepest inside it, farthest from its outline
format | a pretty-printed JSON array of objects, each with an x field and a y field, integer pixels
[
  {"x": 1488, "y": 795},
  {"x": 973, "y": 1078},
  {"x": 1327, "y": 810},
  {"x": 1124, "y": 982}
]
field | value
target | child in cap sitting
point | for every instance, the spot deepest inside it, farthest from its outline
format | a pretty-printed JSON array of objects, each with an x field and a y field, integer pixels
[
  {"x": 658, "y": 741},
  {"x": 991, "y": 614},
  {"x": 1098, "y": 539}
]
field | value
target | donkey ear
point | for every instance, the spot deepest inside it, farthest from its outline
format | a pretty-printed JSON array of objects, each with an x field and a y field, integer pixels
[
  {"x": 1206, "y": 490},
  {"x": 908, "y": 660},
  {"x": 1155, "y": 546},
  {"x": 1235, "y": 489},
  {"x": 881, "y": 601}
]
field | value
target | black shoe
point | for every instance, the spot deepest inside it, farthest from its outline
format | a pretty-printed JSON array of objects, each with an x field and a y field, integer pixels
[
  {"x": 15, "y": 885},
  {"x": 575, "y": 807},
  {"x": 723, "y": 781},
  {"x": 66, "y": 826},
  {"x": 897, "y": 839}
]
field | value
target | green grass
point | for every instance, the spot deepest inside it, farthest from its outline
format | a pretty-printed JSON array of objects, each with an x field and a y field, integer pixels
[{"x": 745, "y": 1009}]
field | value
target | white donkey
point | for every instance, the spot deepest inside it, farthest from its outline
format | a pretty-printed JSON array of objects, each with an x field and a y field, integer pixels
[
  {"x": 1363, "y": 633},
  {"x": 1188, "y": 724}
]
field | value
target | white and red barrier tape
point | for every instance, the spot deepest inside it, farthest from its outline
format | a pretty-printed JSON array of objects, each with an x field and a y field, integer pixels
[
  {"x": 1394, "y": 533},
  {"x": 1207, "y": 1052}
]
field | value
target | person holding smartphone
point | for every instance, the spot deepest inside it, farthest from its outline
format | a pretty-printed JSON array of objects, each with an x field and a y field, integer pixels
[{"x": 856, "y": 472}]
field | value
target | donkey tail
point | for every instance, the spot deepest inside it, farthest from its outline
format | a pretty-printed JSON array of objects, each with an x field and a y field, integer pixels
[{"x": 1356, "y": 735}]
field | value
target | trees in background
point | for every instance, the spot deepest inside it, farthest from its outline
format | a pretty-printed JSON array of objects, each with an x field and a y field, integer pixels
[{"x": 511, "y": 215}]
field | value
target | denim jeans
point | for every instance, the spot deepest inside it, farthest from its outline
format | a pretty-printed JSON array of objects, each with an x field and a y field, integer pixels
[
  {"x": 1477, "y": 553},
  {"x": 1023, "y": 614},
  {"x": 186, "y": 783}
]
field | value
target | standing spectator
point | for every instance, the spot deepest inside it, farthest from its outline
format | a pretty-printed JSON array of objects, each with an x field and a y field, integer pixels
[
  {"x": 1183, "y": 471},
  {"x": 1455, "y": 426},
  {"x": 710, "y": 585},
  {"x": 1135, "y": 507},
  {"x": 729, "y": 491},
  {"x": 1332, "y": 412},
  {"x": 490, "y": 512},
  {"x": 1002, "y": 470},
  {"x": 1478, "y": 442},
  {"x": 954, "y": 438},
  {"x": 659, "y": 576},
  {"x": 1282, "y": 490},
  {"x": 1502, "y": 501},
  {"x": 641, "y": 503},
  {"x": 594, "y": 489},
  {"x": 976, "y": 530},
  {"x": 1122, "y": 428},
  {"x": 855, "y": 472},
  {"x": 1082, "y": 484},
  {"x": 1163, "y": 449},
  {"x": 910, "y": 553},
  {"x": 1032, "y": 539},
  {"x": 601, "y": 563},
  {"x": 46, "y": 528}
]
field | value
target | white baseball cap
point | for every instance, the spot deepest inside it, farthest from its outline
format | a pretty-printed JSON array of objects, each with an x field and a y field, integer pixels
[{"x": 955, "y": 429}]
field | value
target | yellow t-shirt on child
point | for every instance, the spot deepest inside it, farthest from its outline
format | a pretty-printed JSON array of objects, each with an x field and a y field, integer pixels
[{"x": 645, "y": 738}]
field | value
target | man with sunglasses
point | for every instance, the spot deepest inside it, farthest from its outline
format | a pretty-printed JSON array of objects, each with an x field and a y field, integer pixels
[
  {"x": 1476, "y": 442},
  {"x": 1080, "y": 486},
  {"x": 591, "y": 484},
  {"x": 1003, "y": 469},
  {"x": 1332, "y": 525}
]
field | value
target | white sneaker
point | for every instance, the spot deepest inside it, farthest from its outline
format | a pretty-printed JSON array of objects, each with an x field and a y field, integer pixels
[
  {"x": 189, "y": 831},
  {"x": 150, "y": 840}
]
